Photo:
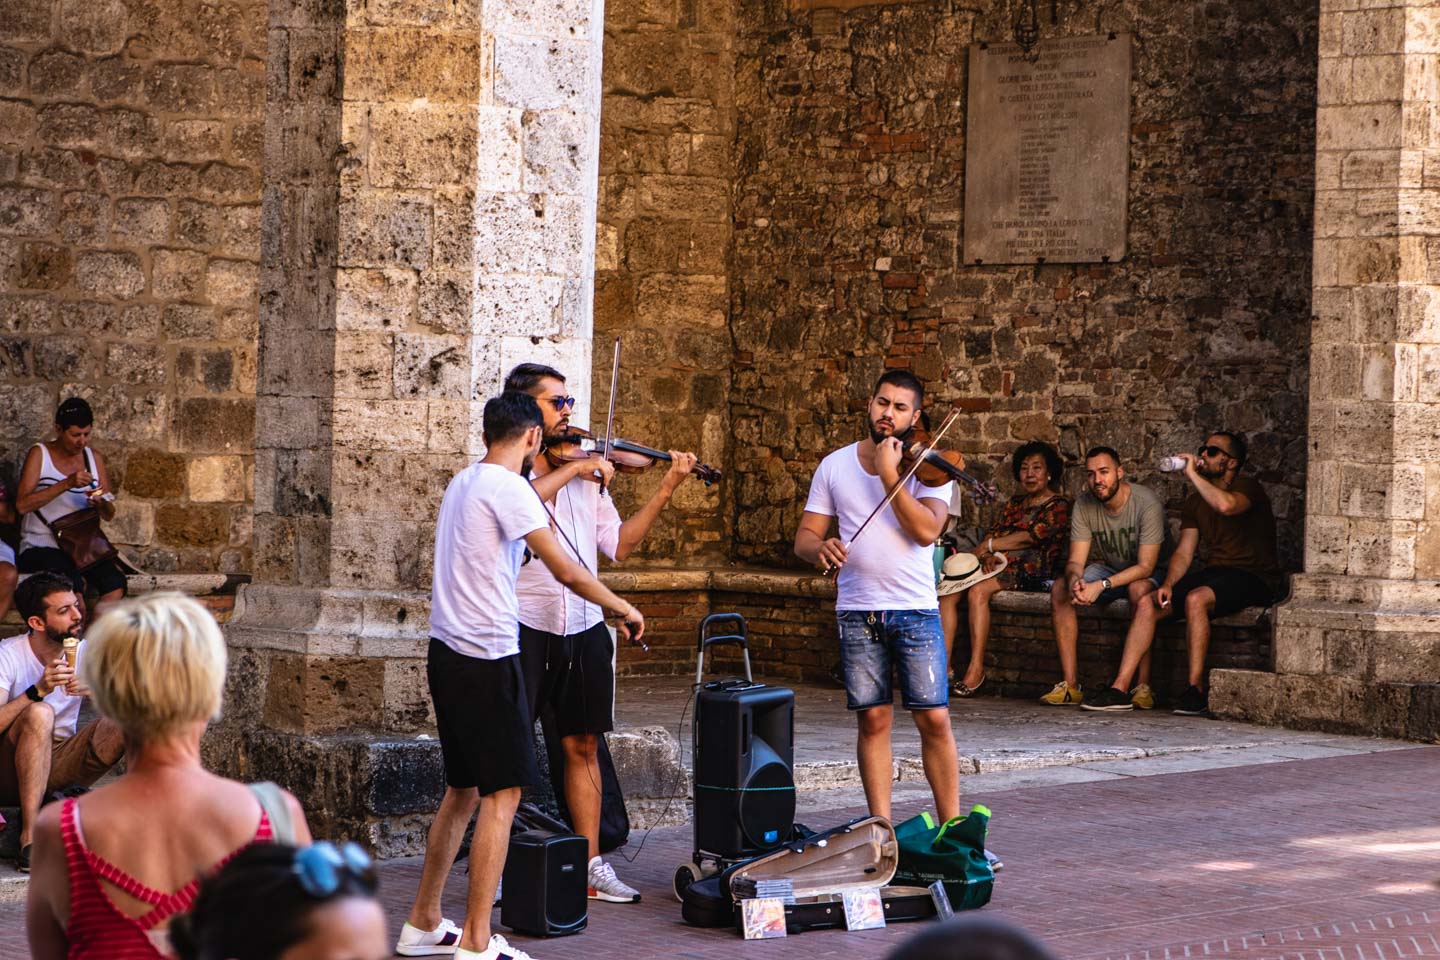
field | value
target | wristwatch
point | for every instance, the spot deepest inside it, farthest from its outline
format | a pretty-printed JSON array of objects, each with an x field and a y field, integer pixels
[
  {"x": 33, "y": 693},
  {"x": 1105, "y": 583}
]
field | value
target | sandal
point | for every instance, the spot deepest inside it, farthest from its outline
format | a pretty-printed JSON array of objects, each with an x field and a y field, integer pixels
[{"x": 959, "y": 688}]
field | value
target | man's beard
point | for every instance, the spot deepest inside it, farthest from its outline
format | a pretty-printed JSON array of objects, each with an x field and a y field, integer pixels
[
  {"x": 1209, "y": 473},
  {"x": 876, "y": 437},
  {"x": 1106, "y": 497},
  {"x": 57, "y": 636}
]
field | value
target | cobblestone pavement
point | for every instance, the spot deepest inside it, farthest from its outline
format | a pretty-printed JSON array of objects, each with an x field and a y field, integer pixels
[{"x": 1321, "y": 859}]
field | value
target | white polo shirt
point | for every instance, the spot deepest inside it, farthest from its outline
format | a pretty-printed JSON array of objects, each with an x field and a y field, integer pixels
[
  {"x": 484, "y": 517},
  {"x": 591, "y": 522}
]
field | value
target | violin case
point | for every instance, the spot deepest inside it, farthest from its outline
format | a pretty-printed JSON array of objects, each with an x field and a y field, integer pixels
[{"x": 823, "y": 866}]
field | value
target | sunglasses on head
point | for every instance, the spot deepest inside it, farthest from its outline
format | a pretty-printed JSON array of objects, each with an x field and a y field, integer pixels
[
  {"x": 320, "y": 867},
  {"x": 561, "y": 403},
  {"x": 1210, "y": 450}
]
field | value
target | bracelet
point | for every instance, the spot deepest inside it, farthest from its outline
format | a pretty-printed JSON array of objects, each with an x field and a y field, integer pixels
[
  {"x": 991, "y": 544},
  {"x": 33, "y": 692}
]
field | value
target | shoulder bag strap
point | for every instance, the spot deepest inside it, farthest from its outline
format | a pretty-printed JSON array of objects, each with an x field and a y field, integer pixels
[{"x": 277, "y": 811}]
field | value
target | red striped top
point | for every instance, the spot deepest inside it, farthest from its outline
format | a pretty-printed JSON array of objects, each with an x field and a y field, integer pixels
[{"x": 97, "y": 928}]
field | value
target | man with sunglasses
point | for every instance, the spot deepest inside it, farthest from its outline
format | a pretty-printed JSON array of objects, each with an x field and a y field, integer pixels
[
  {"x": 488, "y": 517},
  {"x": 567, "y": 655},
  {"x": 1232, "y": 515}
]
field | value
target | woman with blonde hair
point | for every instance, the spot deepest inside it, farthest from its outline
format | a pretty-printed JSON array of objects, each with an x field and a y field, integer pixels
[{"x": 111, "y": 868}]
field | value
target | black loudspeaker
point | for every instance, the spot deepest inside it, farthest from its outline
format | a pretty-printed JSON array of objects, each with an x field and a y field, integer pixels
[
  {"x": 545, "y": 884},
  {"x": 744, "y": 746}
]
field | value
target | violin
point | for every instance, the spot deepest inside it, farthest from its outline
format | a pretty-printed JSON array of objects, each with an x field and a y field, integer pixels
[
  {"x": 628, "y": 457},
  {"x": 939, "y": 466}
]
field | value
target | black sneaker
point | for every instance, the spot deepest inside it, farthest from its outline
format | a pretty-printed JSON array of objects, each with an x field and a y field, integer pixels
[
  {"x": 1194, "y": 702},
  {"x": 22, "y": 862},
  {"x": 1108, "y": 699}
]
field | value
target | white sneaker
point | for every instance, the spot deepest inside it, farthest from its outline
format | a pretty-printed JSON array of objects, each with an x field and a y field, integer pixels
[
  {"x": 498, "y": 950},
  {"x": 415, "y": 942},
  {"x": 604, "y": 885}
]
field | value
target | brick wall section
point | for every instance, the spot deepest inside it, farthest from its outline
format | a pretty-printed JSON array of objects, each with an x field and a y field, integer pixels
[
  {"x": 130, "y": 141},
  {"x": 662, "y": 243},
  {"x": 848, "y": 207}
]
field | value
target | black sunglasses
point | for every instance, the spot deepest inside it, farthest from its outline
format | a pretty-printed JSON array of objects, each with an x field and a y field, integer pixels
[
  {"x": 319, "y": 867},
  {"x": 561, "y": 403},
  {"x": 1210, "y": 450}
]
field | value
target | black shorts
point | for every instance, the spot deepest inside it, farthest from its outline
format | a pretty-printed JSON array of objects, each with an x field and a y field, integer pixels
[
  {"x": 486, "y": 735},
  {"x": 574, "y": 675},
  {"x": 105, "y": 577},
  {"x": 1234, "y": 589}
]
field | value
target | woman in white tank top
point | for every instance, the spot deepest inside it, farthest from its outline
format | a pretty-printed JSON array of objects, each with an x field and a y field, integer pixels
[{"x": 59, "y": 477}]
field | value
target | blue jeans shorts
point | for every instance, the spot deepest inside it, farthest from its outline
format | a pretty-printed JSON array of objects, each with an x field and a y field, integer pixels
[
  {"x": 874, "y": 641},
  {"x": 1098, "y": 571}
]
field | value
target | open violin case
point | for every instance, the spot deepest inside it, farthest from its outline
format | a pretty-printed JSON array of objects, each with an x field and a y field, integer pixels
[{"x": 823, "y": 866}]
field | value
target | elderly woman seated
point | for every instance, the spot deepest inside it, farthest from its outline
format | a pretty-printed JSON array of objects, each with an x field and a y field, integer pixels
[
  {"x": 112, "y": 867},
  {"x": 1032, "y": 533}
]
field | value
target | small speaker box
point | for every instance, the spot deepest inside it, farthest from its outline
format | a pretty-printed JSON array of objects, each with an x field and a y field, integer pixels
[{"x": 545, "y": 884}]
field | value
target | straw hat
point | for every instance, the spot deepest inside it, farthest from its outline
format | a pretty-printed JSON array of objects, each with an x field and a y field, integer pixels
[{"x": 963, "y": 570}]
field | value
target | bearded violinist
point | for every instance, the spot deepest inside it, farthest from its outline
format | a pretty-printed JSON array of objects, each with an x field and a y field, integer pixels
[
  {"x": 567, "y": 655},
  {"x": 885, "y": 592}
]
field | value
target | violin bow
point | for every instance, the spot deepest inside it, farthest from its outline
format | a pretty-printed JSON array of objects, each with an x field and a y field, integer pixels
[
  {"x": 895, "y": 491},
  {"x": 610, "y": 415}
]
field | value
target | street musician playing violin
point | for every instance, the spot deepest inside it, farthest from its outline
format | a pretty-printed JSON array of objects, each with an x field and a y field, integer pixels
[
  {"x": 567, "y": 656},
  {"x": 885, "y": 604}
]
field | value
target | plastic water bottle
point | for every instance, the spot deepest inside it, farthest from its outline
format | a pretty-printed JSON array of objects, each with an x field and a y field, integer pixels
[{"x": 1171, "y": 464}]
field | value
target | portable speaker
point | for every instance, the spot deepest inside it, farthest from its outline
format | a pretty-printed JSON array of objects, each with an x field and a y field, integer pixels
[
  {"x": 744, "y": 746},
  {"x": 545, "y": 884}
]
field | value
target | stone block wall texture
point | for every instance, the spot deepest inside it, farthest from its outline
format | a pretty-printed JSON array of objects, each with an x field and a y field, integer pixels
[
  {"x": 662, "y": 255},
  {"x": 130, "y": 153},
  {"x": 848, "y": 202}
]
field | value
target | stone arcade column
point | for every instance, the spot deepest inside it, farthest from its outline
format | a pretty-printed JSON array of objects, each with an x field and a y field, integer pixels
[
  {"x": 429, "y": 220},
  {"x": 1358, "y": 645}
]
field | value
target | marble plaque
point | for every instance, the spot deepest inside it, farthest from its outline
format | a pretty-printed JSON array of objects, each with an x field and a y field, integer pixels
[{"x": 1047, "y": 152}]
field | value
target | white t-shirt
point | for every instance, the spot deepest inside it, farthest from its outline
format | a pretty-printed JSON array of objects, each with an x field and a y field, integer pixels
[
  {"x": 886, "y": 569},
  {"x": 485, "y": 514},
  {"x": 591, "y": 523},
  {"x": 20, "y": 668}
]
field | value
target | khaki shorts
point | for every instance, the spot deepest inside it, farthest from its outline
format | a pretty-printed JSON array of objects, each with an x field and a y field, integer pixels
[{"x": 73, "y": 763}]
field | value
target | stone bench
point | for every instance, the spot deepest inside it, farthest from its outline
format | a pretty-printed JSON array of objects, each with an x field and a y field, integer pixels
[
  {"x": 215, "y": 590},
  {"x": 1021, "y": 659},
  {"x": 792, "y": 631}
]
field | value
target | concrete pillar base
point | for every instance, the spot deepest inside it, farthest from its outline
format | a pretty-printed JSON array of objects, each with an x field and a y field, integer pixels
[{"x": 1352, "y": 654}]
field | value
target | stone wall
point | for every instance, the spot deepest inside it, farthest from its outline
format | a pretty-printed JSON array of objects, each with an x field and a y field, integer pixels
[
  {"x": 662, "y": 244},
  {"x": 848, "y": 207},
  {"x": 130, "y": 142}
]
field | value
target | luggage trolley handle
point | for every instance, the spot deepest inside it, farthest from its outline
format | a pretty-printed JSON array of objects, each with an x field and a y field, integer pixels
[{"x": 704, "y": 639}]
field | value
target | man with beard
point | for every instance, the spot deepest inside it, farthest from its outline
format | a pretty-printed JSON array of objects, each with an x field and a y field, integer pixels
[
  {"x": 489, "y": 517},
  {"x": 566, "y": 654},
  {"x": 1232, "y": 515},
  {"x": 1117, "y": 536},
  {"x": 42, "y": 747},
  {"x": 885, "y": 602}
]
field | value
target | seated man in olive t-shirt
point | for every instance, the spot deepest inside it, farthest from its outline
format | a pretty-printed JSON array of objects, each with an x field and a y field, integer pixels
[{"x": 1232, "y": 515}]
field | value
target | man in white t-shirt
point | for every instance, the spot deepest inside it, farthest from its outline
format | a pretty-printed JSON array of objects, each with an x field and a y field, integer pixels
[
  {"x": 885, "y": 592},
  {"x": 566, "y": 653},
  {"x": 491, "y": 522},
  {"x": 41, "y": 749}
]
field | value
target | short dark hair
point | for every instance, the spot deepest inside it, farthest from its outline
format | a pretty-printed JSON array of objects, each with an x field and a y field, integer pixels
[
  {"x": 904, "y": 379},
  {"x": 31, "y": 595},
  {"x": 74, "y": 412},
  {"x": 261, "y": 881},
  {"x": 526, "y": 376},
  {"x": 1053, "y": 463},
  {"x": 1103, "y": 451},
  {"x": 509, "y": 415},
  {"x": 1237, "y": 444}
]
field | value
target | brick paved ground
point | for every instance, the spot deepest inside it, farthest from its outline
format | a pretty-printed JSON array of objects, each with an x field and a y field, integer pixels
[{"x": 1329, "y": 859}]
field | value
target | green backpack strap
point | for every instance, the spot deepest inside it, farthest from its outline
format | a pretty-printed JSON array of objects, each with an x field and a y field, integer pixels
[{"x": 277, "y": 811}]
